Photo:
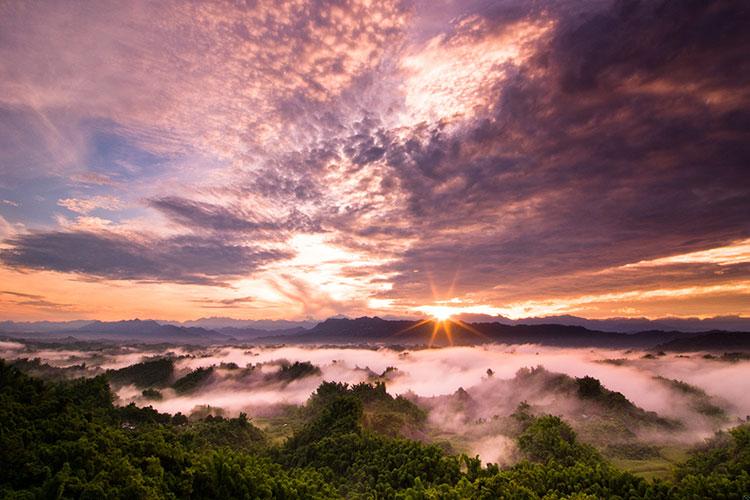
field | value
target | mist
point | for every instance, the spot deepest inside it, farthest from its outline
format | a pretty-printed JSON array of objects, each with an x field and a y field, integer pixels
[{"x": 469, "y": 393}]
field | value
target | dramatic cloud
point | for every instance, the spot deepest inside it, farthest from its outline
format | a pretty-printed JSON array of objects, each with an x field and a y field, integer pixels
[
  {"x": 358, "y": 157},
  {"x": 215, "y": 217},
  {"x": 180, "y": 259},
  {"x": 581, "y": 165}
]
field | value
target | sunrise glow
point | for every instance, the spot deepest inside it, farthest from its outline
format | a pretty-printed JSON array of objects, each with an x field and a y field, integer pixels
[
  {"x": 375, "y": 249},
  {"x": 439, "y": 313},
  {"x": 278, "y": 160}
]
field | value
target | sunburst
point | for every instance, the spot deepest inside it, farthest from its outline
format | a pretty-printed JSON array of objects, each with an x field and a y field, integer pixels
[{"x": 442, "y": 316}]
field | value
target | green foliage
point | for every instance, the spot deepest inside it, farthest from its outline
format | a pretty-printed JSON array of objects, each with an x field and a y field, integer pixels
[
  {"x": 548, "y": 438},
  {"x": 152, "y": 394},
  {"x": 699, "y": 400},
  {"x": 68, "y": 440},
  {"x": 236, "y": 433},
  {"x": 226, "y": 474},
  {"x": 359, "y": 462},
  {"x": 381, "y": 413},
  {"x": 192, "y": 380},
  {"x": 296, "y": 370},
  {"x": 722, "y": 465},
  {"x": 37, "y": 368},
  {"x": 734, "y": 357},
  {"x": 156, "y": 372},
  {"x": 589, "y": 388},
  {"x": 523, "y": 415}
]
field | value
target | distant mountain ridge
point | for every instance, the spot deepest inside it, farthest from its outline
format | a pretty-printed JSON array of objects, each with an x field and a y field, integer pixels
[
  {"x": 378, "y": 330},
  {"x": 626, "y": 325},
  {"x": 219, "y": 323},
  {"x": 618, "y": 325},
  {"x": 147, "y": 330},
  {"x": 375, "y": 330}
]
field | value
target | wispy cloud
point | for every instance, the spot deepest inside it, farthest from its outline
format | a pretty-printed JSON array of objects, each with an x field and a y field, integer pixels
[
  {"x": 88, "y": 205},
  {"x": 181, "y": 260}
]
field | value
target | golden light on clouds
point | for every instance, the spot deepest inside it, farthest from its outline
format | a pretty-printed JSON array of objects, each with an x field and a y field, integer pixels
[
  {"x": 736, "y": 253},
  {"x": 453, "y": 75},
  {"x": 300, "y": 159}
]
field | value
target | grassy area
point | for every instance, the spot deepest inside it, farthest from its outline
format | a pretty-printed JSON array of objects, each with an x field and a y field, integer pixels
[
  {"x": 661, "y": 467},
  {"x": 279, "y": 428}
]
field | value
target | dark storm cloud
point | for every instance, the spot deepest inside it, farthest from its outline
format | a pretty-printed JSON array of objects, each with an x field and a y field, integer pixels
[
  {"x": 179, "y": 259},
  {"x": 625, "y": 137}
]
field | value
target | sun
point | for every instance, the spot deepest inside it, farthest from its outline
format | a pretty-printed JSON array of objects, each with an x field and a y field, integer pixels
[
  {"x": 442, "y": 315},
  {"x": 444, "y": 318},
  {"x": 439, "y": 313}
]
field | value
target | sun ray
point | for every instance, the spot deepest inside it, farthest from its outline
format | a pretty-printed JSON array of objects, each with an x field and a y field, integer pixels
[
  {"x": 434, "y": 333},
  {"x": 470, "y": 328},
  {"x": 412, "y": 327}
]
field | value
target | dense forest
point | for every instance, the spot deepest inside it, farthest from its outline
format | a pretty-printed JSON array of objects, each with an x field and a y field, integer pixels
[{"x": 67, "y": 439}]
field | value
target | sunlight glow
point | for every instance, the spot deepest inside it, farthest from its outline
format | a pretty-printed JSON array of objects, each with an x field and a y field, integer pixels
[{"x": 440, "y": 313}]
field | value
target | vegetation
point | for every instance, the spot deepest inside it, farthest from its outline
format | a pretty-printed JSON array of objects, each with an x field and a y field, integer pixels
[
  {"x": 38, "y": 368},
  {"x": 68, "y": 440},
  {"x": 192, "y": 380},
  {"x": 155, "y": 372},
  {"x": 590, "y": 388},
  {"x": 699, "y": 400},
  {"x": 296, "y": 370},
  {"x": 381, "y": 412},
  {"x": 152, "y": 394}
]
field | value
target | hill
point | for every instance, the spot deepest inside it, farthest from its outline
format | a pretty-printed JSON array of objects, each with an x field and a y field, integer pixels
[
  {"x": 711, "y": 341},
  {"x": 68, "y": 440},
  {"x": 377, "y": 330}
]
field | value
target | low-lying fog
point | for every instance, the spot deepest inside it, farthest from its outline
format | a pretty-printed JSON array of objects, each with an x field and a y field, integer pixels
[{"x": 430, "y": 376}]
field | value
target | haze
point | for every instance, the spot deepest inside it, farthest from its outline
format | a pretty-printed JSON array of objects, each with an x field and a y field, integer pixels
[{"x": 431, "y": 378}]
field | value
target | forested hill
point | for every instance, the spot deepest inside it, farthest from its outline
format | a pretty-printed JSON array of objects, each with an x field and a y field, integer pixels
[{"x": 68, "y": 440}]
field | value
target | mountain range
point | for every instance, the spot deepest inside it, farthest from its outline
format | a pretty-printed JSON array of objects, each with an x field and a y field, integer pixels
[{"x": 374, "y": 330}]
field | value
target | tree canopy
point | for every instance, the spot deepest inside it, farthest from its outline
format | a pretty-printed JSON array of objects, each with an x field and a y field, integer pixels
[{"x": 66, "y": 439}]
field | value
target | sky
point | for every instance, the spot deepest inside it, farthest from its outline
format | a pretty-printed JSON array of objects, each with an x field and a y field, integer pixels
[{"x": 266, "y": 159}]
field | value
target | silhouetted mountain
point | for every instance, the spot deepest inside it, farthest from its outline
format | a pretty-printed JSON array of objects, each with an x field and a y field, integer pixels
[
  {"x": 42, "y": 326},
  {"x": 625, "y": 325},
  {"x": 366, "y": 330},
  {"x": 378, "y": 330},
  {"x": 135, "y": 330},
  {"x": 220, "y": 323},
  {"x": 147, "y": 331},
  {"x": 362, "y": 329},
  {"x": 255, "y": 333},
  {"x": 711, "y": 341},
  {"x": 573, "y": 336}
]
